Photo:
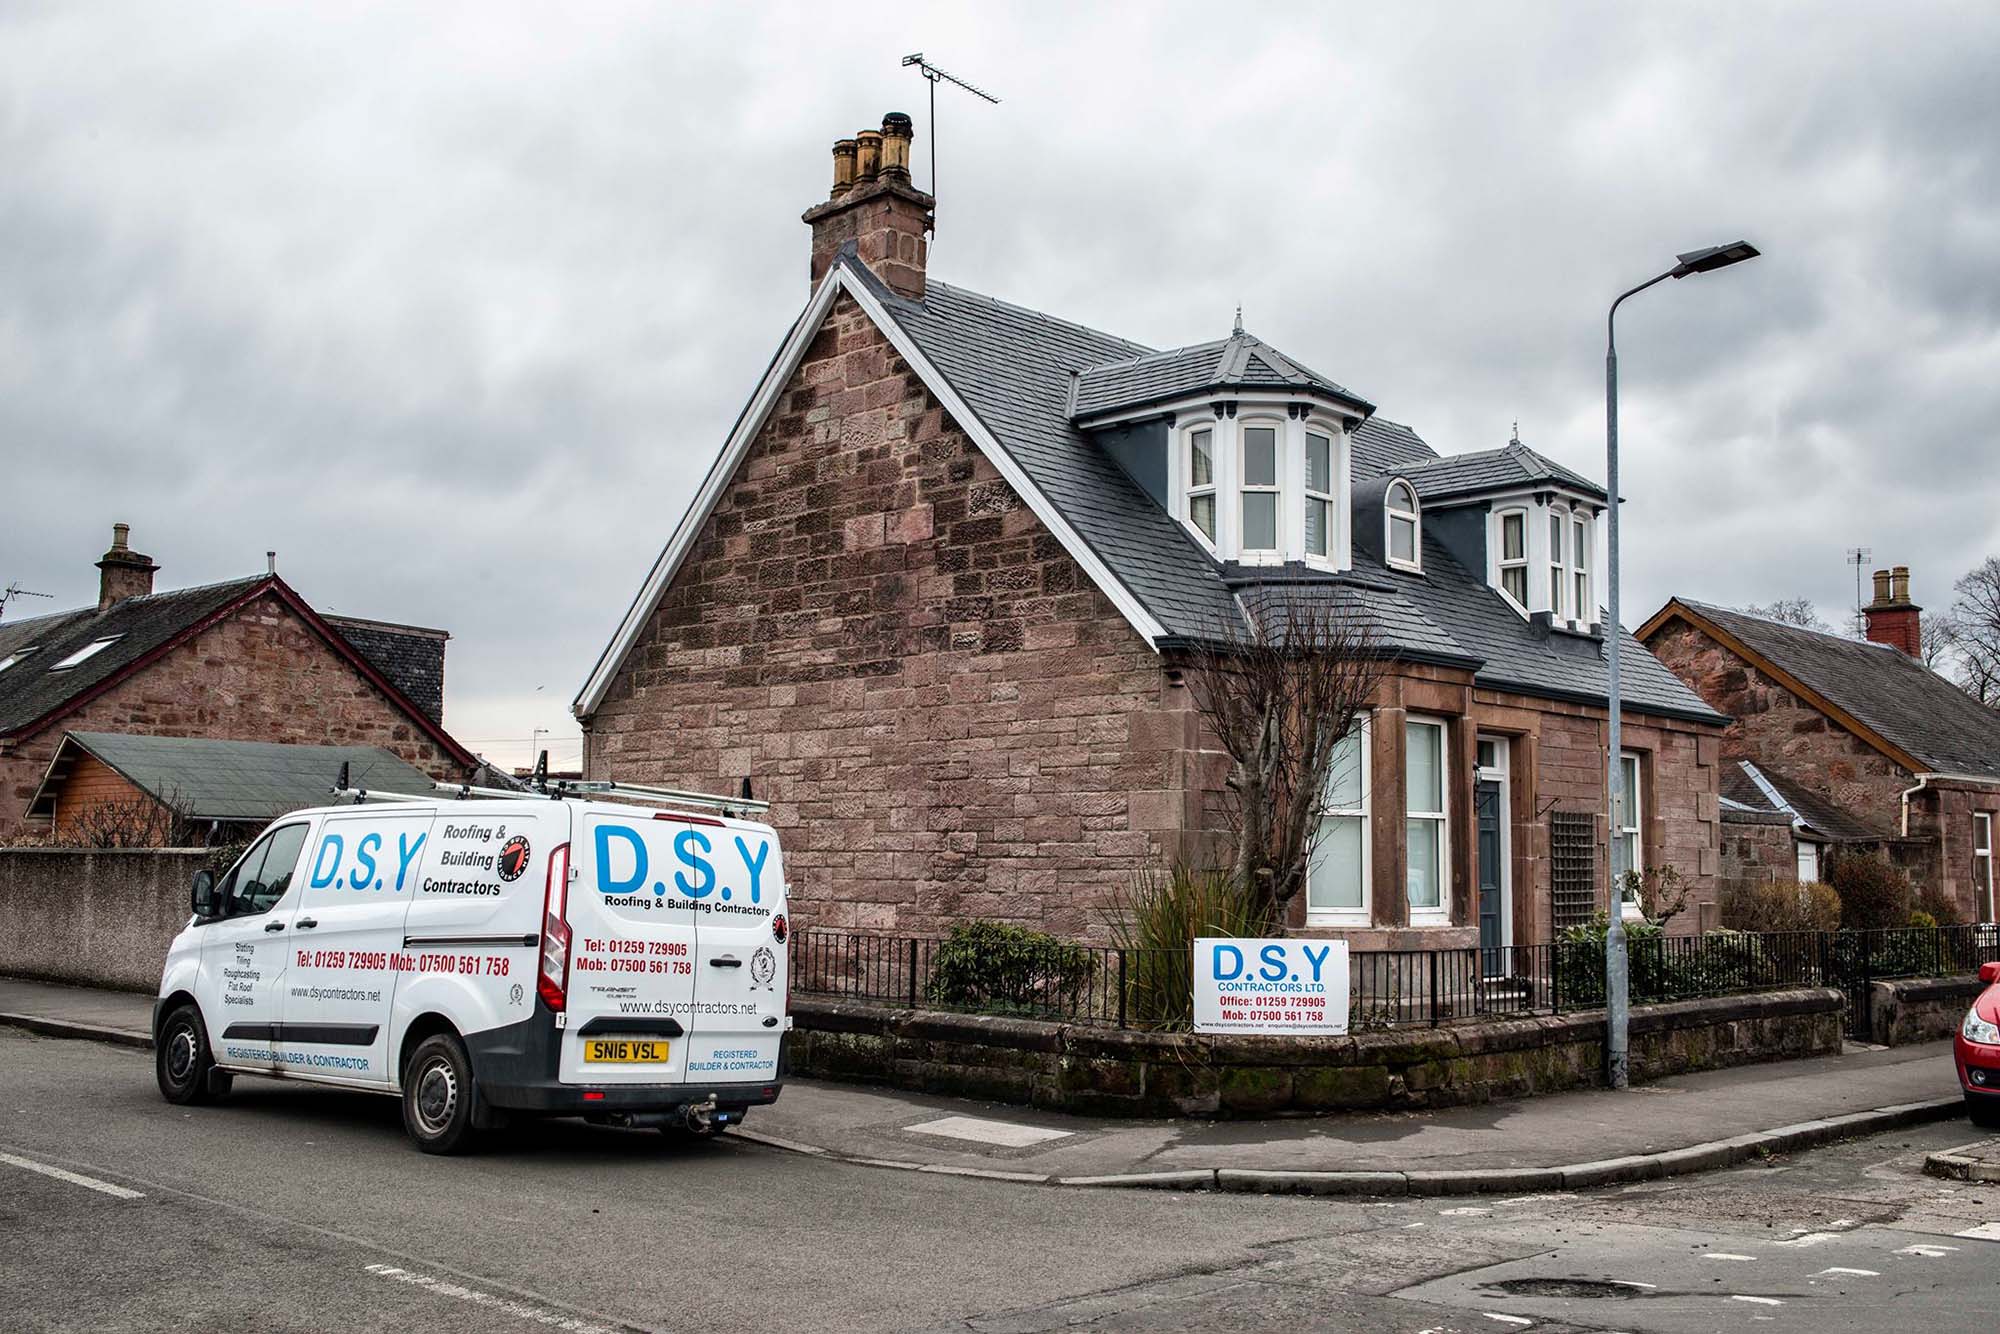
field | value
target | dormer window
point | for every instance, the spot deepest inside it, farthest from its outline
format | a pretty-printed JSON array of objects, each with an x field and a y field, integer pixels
[
  {"x": 1514, "y": 556},
  {"x": 1583, "y": 609},
  {"x": 1201, "y": 481},
  {"x": 1319, "y": 494},
  {"x": 1260, "y": 489},
  {"x": 1558, "y": 566},
  {"x": 1403, "y": 546}
]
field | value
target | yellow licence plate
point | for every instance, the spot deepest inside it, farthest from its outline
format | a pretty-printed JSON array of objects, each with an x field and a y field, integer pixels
[{"x": 625, "y": 1051}]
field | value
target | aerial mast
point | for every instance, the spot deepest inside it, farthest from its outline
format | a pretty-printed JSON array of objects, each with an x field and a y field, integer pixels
[{"x": 933, "y": 75}]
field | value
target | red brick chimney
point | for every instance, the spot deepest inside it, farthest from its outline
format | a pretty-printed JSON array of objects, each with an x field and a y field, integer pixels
[
  {"x": 873, "y": 204},
  {"x": 1892, "y": 618},
  {"x": 124, "y": 572}
]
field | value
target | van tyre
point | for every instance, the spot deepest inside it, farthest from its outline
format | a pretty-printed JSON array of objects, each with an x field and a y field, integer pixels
[
  {"x": 438, "y": 1095},
  {"x": 182, "y": 1061}
]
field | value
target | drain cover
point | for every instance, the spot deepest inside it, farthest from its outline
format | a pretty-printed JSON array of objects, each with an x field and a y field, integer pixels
[{"x": 1564, "y": 1287}]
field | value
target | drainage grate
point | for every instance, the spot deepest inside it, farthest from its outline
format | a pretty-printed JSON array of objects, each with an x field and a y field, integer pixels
[{"x": 1564, "y": 1287}]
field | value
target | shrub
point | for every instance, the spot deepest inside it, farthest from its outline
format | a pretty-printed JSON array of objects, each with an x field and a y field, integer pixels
[
  {"x": 1873, "y": 894},
  {"x": 1941, "y": 910},
  {"x": 995, "y": 967},
  {"x": 1780, "y": 905},
  {"x": 1658, "y": 966},
  {"x": 1157, "y": 923}
]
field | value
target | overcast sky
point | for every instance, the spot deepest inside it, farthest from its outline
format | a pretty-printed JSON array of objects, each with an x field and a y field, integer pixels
[{"x": 453, "y": 306}]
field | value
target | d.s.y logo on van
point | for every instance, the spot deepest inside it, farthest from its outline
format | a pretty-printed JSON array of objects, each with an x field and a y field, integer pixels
[
  {"x": 625, "y": 868},
  {"x": 365, "y": 863}
]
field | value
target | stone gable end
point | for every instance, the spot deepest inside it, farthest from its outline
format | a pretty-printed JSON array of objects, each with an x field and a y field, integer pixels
[
  {"x": 949, "y": 718},
  {"x": 260, "y": 674}
]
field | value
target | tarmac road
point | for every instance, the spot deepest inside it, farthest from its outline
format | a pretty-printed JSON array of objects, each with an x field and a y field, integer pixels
[{"x": 290, "y": 1207}]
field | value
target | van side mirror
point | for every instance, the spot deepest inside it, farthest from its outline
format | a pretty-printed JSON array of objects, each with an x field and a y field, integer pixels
[
  {"x": 203, "y": 893},
  {"x": 1989, "y": 973}
]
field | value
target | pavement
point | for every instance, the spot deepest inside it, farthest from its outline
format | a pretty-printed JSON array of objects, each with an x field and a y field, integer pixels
[{"x": 1561, "y": 1141}]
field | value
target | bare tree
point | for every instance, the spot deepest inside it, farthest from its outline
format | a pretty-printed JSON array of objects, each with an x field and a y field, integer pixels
[
  {"x": 1792, "y": 611},
  {"x": 137, "y": 822},
  {"x": 1974, "y": 630},
  {"x": 1279, "y": 695}
]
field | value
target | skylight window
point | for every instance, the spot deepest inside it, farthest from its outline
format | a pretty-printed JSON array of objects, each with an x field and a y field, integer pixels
[
  {"x": 16, "y": 656},
  {"x": 84, "y": 654}
]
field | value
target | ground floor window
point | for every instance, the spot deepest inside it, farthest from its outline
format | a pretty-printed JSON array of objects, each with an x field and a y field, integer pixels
[
  {"x": 1628, "y": 849},
  {"x": 1337, "y": 880},
  {"x": 1425, "y": 784}
]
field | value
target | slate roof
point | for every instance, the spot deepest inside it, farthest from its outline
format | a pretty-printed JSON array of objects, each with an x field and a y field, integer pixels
[
  {"x": 411, "y": 656},
  {"x": 1739, "y": 783},
  {"x": 1240, "y": 361},
  {"x": 1904, "y": 703},
  {"x": 1383, "y": 447},
  {"x": 231, "y": 780},
  {"x": 29, "y": 691},
  {"x": 1512, "y": 467}
]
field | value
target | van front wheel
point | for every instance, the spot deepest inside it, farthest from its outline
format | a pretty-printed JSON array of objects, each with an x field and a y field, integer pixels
[
  {"x": 182, "y": 1062},
  {"x": 437, "y": 1095}
]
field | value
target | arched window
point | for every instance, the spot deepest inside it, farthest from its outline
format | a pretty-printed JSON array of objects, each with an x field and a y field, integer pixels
[{"x": 1403, "y": 546}]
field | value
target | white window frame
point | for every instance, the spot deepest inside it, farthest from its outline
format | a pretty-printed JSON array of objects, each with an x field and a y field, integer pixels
[
  {"x": 1983, "y": 820},
  {"x": 1307, "y": 495},
  {"x": 1558, "y": 528},
  {"x": 1364, "y": 915},
  {"x": 1632, "y": 822},
  {"x": 1275, "y": 553},
  {"x": 19, "y": 655},
  {"x": 1801, "y": 850},
  {"x": 1414, "y": 516},
  {"x": 1440, "y": 915},
  {"x": 1188, "y": 491},
  {"x": 1501, "y": 562},
  {"x": 84, "y": 654},
  {"x": 1581, "y": 539}
]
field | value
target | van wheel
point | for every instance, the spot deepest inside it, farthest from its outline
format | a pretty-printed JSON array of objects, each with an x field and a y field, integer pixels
[
  {"x": 182, "y": 1062},
  {"x": 437, "y": 1095}
]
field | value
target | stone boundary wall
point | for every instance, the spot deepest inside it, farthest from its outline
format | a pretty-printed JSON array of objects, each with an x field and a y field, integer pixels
[
  {"x": 1119, "y": 1073},
  {"x": 100, "y": 918},
  {"x": 1920, "y": 1009}
]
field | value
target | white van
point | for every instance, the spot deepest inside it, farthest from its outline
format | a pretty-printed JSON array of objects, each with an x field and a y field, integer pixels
[{"x": 487, "y": 955}]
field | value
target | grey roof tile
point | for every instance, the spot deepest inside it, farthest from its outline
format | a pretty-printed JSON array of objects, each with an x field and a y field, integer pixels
[
  {"x": 1904, "y": 702},
  {"x": 1239, "y": 361},
  {"x": 411, "y": 656},
  {"x": 1739, "y": 783},
  {"x": 241, "y": 780},
  {"x": 1511, "y": 467}
]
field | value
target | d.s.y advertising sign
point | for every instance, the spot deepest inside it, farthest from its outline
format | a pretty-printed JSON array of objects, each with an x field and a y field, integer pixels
[{"x": 1270, "y": 986}]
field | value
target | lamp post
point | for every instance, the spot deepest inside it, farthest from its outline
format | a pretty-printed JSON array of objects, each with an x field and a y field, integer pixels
[{"x": 1616, "y": 981}]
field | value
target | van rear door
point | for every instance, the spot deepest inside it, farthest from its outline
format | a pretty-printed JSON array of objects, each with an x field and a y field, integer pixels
[
  {"x": 740, "y": 965},
  {"x": 631, "y": 914}
]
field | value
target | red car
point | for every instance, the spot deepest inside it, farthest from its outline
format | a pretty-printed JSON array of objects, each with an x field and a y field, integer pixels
[{"x": 1977, "y": 1049}]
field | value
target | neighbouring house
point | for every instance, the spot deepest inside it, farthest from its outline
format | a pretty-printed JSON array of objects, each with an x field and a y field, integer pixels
[
  {"x": 246, "y": 660},
  {"x": 930, "y": 597},
  {"x": 1857, "y": 744},
  {"x": 198, "y": 790}
]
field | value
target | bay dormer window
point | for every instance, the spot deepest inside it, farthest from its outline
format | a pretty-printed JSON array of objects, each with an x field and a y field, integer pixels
[
  {"x": 1260, "y": 491},
  {"x": 1558, "y": 562},
  {"x": 1319, "y": 495},
  {"x": 1583, "y": 608},
  {"x": 1514, "y": 556},
  {"x": 1401, "y": 514},
  {"x": 1201, "y": 482}
]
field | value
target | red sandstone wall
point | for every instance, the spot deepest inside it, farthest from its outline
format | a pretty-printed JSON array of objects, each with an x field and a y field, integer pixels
[{"x": 261, "y": 675}]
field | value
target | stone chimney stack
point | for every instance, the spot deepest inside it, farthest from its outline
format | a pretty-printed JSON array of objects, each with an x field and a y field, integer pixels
[
  {"x": 123, "y": 573},
  {"x": 873, "y": 204},
  {"x": 1892, "y": 618}
]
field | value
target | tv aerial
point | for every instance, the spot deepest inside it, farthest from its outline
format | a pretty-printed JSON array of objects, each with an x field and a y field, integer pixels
[
  {"x": 935, "y": 75},
  {"x": 12, "y": 591}
]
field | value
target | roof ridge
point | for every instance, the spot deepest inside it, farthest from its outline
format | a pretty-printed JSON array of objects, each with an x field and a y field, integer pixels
[{"x": 142, "y": 597}]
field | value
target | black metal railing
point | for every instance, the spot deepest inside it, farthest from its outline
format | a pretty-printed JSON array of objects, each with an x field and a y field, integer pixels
[{"x": 1122, "y": 988}]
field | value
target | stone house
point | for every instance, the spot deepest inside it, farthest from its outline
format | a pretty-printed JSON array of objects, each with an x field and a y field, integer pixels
[
  {"x": 930, "y": 596},
  {"x": 246, "y": 660},
  {"x": 1857, "y": 744}
]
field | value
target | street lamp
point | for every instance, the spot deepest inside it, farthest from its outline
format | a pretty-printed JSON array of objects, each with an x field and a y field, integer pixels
[{"x": 1616, "y": 1071}]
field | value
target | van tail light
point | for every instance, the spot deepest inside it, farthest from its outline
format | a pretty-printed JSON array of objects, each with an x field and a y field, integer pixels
[{"x": 552, "y": 982}]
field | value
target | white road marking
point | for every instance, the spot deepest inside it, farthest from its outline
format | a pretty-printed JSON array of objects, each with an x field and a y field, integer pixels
[
  {"x": 1464, "y": 1211},
  {"x": 1507, "y": 1319},
  {"x": 1633, "y": 1283},
  {"x": 1007, "y": 1134},
  {"x": 1760, "y": 1301},
  {"x": 1984, "y": 1232},
  {"x": 1539, "y": 1199},
  {"x": 1856, "y": 1273},
  {"x": 1928, "y": 1252},
  {"x": 538, "y": 1314},
  {"x": 1728, "y": 1255},
  {"x": 74, "y": 1178},
  {"x": 1811, "y": 1239}
]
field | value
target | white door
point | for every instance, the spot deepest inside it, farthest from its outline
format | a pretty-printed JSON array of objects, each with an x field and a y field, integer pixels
[
  {"x": 740, "y": 976},
  {"x": 245, "y": 954},
  {"x": 359, "y": 878}
]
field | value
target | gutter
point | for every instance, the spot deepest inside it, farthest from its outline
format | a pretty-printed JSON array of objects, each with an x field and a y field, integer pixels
[{"x": 1924, "y": 780}]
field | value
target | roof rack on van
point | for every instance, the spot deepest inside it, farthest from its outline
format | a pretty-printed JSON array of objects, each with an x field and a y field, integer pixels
[{"x": 574, "y": 789}]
